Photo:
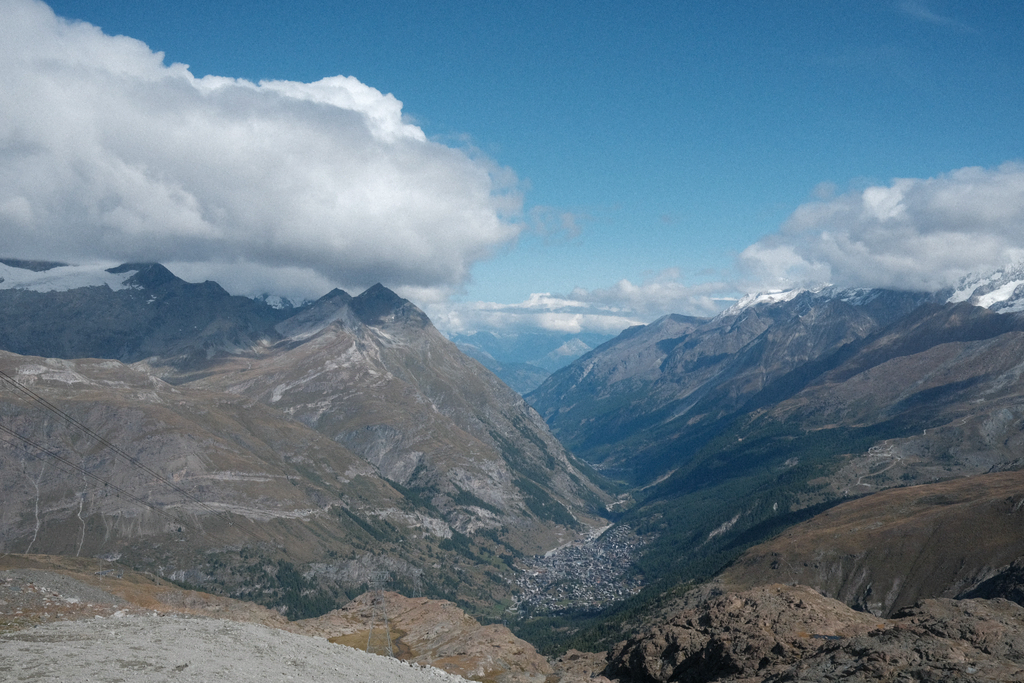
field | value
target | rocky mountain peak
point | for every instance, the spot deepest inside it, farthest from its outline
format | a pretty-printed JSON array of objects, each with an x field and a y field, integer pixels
[
  {"x": 336, "y": 295},
  {"x": 378, "y": 304},
  {"x": 366, "y": 422},
  {"x": 147, "y": 275},
  {"x": 333, "y": 306},
  {"x": 154, "y": 276}
]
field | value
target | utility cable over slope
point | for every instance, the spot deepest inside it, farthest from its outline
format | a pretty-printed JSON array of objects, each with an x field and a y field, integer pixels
[{"x": 17, "y": 387}]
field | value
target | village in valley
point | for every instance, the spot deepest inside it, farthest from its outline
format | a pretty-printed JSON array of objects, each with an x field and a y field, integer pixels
[{"x": 582, "y": 576}]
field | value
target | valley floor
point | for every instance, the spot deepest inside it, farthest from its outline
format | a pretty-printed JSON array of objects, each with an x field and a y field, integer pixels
[{"x": 587, "y": 575}]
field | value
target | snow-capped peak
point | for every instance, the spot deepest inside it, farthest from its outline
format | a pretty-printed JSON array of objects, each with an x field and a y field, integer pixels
[
  {"x": 774, "y": 296},
  {"x": 855, "y": 296},
  {"x": 1001, "y": 291},
  {"x": 278, "y": 302},
  {"x": 60, "y": 278},
  {"x": 779, "y": 296},
  {"x": 573, "y": 347}
]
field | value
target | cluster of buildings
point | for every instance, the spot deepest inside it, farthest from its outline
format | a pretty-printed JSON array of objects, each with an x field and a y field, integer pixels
[{"x": 581, "y": 576}]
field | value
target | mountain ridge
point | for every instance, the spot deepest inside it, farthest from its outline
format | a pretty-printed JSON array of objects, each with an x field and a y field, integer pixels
[
  {"x": 351, "y": 426},
  {"x": 346, "y": 426},
  {"x": 730, "y": 430}
]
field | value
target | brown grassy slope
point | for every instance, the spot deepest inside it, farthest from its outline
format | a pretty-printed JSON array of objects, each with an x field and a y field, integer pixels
[
  {"x": 240, "y": 486},
  {"x": 231, "y": 457},
  {"x": 433, "y": 632},
  {"x": 889, "y": 550},
  {"x": 116, "y": 588}
]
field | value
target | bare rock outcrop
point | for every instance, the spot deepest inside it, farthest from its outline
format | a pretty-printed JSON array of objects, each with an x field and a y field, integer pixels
[
  {"x": 791, "y": 633},
  {"x": 733, "y": 636},
  {"x": 439, "y": 634},
  {"x": 941, "y": 640}
]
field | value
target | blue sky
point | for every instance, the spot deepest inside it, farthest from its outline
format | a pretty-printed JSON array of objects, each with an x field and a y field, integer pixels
[{"x": 643, "y": 157}]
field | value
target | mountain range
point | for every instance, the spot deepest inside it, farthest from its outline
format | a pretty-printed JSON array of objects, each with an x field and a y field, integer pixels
[
  {"x": 226, "y": 436},
  {"x": 724, "y": 432},
  {"x": 848, "y": 440}
]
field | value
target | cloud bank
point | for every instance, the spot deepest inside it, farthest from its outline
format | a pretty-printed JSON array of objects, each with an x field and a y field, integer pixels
[
  {"x": 608, "y": 311},
  {"x": 913, "y": 234},
  {"x": 107, "y": 153}
]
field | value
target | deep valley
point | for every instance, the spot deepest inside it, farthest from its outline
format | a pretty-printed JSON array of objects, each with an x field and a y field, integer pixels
[{"x": 864, "y": 444}]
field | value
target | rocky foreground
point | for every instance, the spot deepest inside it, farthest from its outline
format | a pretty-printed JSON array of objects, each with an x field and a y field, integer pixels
[
  {"x": 792, "y": 633},
  {"x": 175, "y": 648},
  {"x": 101, "y": 622},
  {"x": 67, "y": 619}
]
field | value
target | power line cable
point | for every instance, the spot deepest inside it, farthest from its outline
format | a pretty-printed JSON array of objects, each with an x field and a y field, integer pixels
[
  {"x": 117, "y": 451},
  {"x": 85, "y": 472}
]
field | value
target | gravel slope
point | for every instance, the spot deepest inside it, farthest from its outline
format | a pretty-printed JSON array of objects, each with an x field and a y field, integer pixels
[{"x": 147, "y": 649}]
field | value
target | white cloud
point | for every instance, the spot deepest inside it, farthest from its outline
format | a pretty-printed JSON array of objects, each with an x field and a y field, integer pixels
[
  {"x": 608, "y": 311},
  {"x": 911, "y": 234},
  {"x": 554, "y": 315},
  {"x": 106, "y": 153},
  {"x": 664, "y": 293}
]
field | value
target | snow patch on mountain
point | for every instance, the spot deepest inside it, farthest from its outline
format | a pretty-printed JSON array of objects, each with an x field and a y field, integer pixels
[
  {"x": 62, "y": 278},
  {"x": 1004, "y": 294},
  {"x": 852, "y": 296},
  {"x": 570, "y": 350},
  {"x": 774, "y": 296},
  {"x": 1001, "y": 291},
  {"x": 279, "y": 302}
]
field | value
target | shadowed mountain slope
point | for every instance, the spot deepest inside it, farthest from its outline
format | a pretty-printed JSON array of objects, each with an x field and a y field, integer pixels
[
  {"x": 887, "y": 551},
  {"x": 734, "y": 429},
  {"x": 153, "y": 312},
  {"x": 624, "y": 405}
]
